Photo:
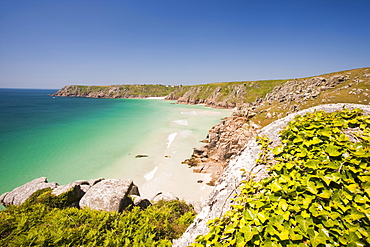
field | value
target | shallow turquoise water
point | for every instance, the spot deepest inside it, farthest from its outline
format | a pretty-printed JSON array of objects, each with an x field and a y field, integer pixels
[{"x": 67, "y": 139}]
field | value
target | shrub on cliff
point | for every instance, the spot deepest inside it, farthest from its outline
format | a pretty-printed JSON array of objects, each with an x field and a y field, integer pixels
[
  {"x": 45, "y": 221},
  {"x": 318, "y": 192}
]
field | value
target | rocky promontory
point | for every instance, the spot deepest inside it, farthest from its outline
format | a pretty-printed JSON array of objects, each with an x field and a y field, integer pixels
[{"x": 116, "y": 91}]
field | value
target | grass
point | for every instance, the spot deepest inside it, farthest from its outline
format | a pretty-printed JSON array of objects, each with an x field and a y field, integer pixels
[
  {"x": 122, "y": 91},
  {"x": 232, "y": 92},
  {"x": 338, "y": 94},
  {"x": 46, "y": 220}
]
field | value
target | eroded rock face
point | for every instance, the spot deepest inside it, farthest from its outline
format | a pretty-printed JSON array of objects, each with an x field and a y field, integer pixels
[
  {"x": 218, "y": 201},
  {"x": 110, "y": 195},
  {"x": 22, "y": 193},
  {"x": 215, "y": 99},
  {"x": 224, "y": 141}
]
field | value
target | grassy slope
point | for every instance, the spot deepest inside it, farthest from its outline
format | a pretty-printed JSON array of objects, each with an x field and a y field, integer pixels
[
  {"x": 338, "y": 94},
  {"x": 234, "y": 92},
  {"x": 46, "y": 220},
  {"x": 227, "y": 90}
]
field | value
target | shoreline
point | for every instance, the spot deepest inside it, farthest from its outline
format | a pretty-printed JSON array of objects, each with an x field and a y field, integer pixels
[
  {"x": 160, "y": 158},
  {"x": 155, "y": 98},
  {"x": 168, "y": 133}
]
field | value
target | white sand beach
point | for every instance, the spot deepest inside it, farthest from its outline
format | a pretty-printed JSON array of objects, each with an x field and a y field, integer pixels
[
  {"x": 155, "y": 98},
  {"x": 167, "y": 147}
]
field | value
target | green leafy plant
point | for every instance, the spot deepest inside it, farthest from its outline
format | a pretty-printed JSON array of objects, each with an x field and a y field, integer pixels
[
  {"x": 318, "y": 191},
  {"x": 44, "y": 220}
]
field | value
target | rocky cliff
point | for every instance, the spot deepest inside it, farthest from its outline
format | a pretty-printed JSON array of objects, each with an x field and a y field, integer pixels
[
  {"x": 223, "y": 95},
  {"x": 229, "y": 137},
  {"x": 116, "y": 91}
]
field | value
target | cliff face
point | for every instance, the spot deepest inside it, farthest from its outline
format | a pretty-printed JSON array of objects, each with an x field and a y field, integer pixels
[
  {"x": 229, "y": 137},
  {"x": 223, "y": 95},
  {"x": 116, "y": 91}
]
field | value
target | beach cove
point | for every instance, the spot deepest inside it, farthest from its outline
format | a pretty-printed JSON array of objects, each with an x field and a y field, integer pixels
[{"x": 68, "y": 139}]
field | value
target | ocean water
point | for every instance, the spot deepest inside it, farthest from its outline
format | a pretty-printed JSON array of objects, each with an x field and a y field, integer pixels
[{"x": 67, "y": 139}]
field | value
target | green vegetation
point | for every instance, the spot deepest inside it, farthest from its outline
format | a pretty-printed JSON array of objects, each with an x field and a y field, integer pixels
[
  {"x": 342, "y": 93},
  {"x": 232, "y": 92},
  {"x": 45, "y": 221},
  {"x": 318, "y": 192},
  {"x": 119, "y": 91}
]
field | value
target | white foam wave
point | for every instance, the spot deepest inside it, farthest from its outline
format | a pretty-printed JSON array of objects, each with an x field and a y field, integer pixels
[
  {"x": 150, "y": 175},
  {"x": 181, "y": 122},
  {"x": 191, "y": 113},
  {"x": 171, "y": 138}
]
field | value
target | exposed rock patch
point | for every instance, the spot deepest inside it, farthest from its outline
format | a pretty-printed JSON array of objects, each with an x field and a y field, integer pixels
[
  {"x": 168, "y": 196},
  {"x": 97, "y": 194},
  {"x": 22, "y": 193},
  {"x": 110, "y": 195},
  {"x": 224, "y": 141},
  {"x": 236, "y": 94}
]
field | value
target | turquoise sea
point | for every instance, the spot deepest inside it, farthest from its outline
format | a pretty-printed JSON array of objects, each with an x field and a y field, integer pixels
[{"x": 67, "y": 139}]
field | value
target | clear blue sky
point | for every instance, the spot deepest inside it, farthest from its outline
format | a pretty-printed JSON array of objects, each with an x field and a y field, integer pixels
[{"x": 49, "y": 44}]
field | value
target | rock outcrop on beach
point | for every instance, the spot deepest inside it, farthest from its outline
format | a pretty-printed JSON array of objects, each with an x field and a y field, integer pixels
[
  {"x": 219, "y": 200},
  {"x": 97, "y": 194},
  {"x": 224, "y": 141},
  {"x": 116, "y": 91}
]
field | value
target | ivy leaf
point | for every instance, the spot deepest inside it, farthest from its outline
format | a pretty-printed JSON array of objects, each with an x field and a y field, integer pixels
[
  {"x": 325, "y": 194},
  {"x": 361, "y": 153},
  {"x": 275, "y": 186},
  {"x": 361, "y": 199},
  {"x": 262, "y": 217},
  {"x": 278, "y": 150},
  {"x": 248, "y": 232},
  {"x": 312, "y": 164},
  {"x": 352, "y": 188},
  {"x": 332, "y": 151},
  {"x": 271, "y": 230},
  {"x": 356, "y": 215},
  {"x": 302, "y": 153},
  {"x": 294, "y": 236},
  {"x": 314, "y": 141},
  {"x": 303, "y": 225},
  {"x": 317, "y": 238},
  {"x": 284, "y": 235},
  {"x": 311, "y": 187},
  {"x": 298, "y": 139}
]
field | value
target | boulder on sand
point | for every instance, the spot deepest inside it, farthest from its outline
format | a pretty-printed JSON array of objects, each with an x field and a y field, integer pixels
[
  {"x": 164, "y": 196},
  {"x": 110, "y": 195}
]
